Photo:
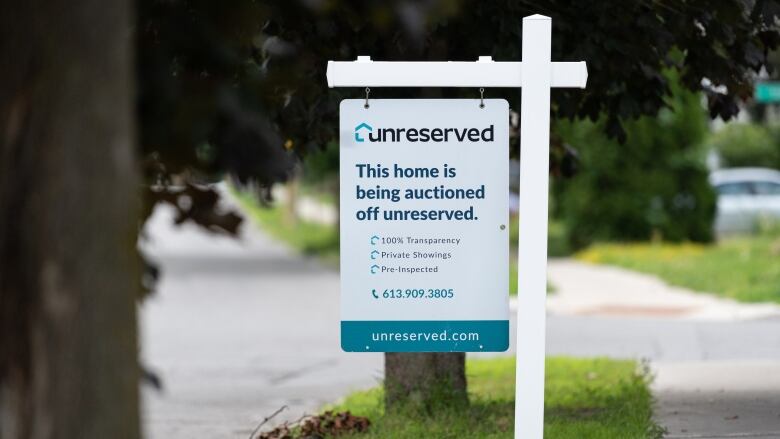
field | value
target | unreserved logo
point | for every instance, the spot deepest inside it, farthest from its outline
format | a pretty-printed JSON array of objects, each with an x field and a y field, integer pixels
[{"x": 364, "y": 131}]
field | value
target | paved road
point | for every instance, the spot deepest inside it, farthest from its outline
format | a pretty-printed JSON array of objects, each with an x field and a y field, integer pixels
[
  {"x": 241, "y": 328},
  {"x": 720, "y": 399},
  {"x": 237, "y": 330}
]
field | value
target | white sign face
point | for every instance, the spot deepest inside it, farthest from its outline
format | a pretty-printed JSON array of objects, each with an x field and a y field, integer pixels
[{"x": 424, "y": 225}]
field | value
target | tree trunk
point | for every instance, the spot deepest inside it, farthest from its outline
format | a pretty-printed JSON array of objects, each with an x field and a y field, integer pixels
[
  {"x": 425, "y": 380},
  {"x": 292, "y": 188},
  {"x": 69, "y": 273}
]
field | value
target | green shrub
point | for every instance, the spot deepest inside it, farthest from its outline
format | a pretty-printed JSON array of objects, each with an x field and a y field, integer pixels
[
  {"x": 322, "y": 165},
  {"x": 742, "y": 144},
  {"x": 655, "y": 185},
  {"x": 774, "y": 131},
  {"x": 320, "y": 176}
]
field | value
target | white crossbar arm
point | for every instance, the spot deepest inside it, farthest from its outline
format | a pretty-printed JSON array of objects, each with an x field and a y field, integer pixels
[{"x": 482, "y": 73}]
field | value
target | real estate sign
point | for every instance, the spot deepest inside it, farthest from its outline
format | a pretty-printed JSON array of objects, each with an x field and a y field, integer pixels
[{"x": 424, "y": 225}]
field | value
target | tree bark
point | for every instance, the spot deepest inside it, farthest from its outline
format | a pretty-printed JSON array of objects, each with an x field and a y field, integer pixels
[
  {"x": 425, "y": 380},
  {"x": 69, "y": 274}
]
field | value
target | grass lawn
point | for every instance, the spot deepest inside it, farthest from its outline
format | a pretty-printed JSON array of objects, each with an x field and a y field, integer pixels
[
  {"x": 584, "y": 398},
  {"x": 745, "y": 269}
]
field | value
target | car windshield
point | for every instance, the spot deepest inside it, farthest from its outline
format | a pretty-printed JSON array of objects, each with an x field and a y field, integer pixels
[
  {"x": 735, "y": 188},
  {"x": 766, "y": 188},
  {"x": 749, "y": 188}
]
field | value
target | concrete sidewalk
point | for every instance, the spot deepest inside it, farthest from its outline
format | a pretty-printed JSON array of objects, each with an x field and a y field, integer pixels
[
  {"x": 716, "y": 361},
  {"x": 589, "y": 289}
]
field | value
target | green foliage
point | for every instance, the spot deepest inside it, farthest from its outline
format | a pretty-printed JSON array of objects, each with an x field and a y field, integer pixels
[
  {"x": 774, "y": 131},
  {"x": 227, "y": 86},
  {"x": 742, "y": 144},
  {"x": 322, "y": 165},
  {"x": 557, "y": 237},
  {"x": 584, "y": 398},
  {"x": 307, "y": 237},
  {"x": 744, "y": 269},
  {"x": 557, "y": 246},
  {"x": 653, "y": 186}
]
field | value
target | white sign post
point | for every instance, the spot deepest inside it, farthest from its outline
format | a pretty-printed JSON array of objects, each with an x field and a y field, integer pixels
[{"x": 536, "y": 74}]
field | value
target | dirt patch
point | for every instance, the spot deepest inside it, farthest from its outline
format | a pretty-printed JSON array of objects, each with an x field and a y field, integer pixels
[{"x": 634, "y": 310}]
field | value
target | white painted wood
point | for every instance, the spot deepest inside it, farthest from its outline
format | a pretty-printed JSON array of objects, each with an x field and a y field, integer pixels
[
  {"x": 482, "y": 73},
  {"x": 532, "y": 240}
]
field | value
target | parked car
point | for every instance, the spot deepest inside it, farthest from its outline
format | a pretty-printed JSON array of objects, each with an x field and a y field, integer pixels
[{"x": 746, "y": 196}]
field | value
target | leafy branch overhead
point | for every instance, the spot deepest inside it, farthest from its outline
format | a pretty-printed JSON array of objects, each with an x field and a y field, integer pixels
[{"x": 236, "y": 86}]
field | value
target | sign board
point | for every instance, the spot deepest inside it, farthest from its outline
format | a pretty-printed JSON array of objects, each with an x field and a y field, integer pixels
[
  {"x": 424, "y": 225},
  {"x": 767, "y": 92}
]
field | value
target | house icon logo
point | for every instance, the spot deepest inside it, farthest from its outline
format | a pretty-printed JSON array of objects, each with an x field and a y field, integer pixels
[{"x": 363, "y": 125}]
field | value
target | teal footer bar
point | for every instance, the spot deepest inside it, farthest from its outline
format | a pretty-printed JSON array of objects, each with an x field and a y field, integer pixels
[{"x": 425, "y": 335}]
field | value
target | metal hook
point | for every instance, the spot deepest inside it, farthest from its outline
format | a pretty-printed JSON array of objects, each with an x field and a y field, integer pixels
[
  {"x": 368, "y": 90},
  {"x": 481, "y": 97}
]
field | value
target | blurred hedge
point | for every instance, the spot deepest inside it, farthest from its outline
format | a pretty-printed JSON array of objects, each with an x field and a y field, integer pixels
[
  {"x": 654, "y": 186},
  {"x": 743, "y": 144}
]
